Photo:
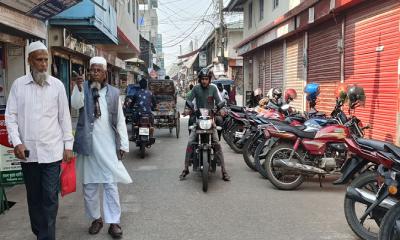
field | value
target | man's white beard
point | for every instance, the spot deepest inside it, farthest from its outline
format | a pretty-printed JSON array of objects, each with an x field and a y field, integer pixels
[
  {"x": 95, "y": 85},
  {"x": 39, "y": 77}
]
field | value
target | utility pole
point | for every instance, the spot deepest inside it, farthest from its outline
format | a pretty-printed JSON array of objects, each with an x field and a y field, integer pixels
[
  {"x": 180, "y": 50},
  {"x": 221, "y": 31}
]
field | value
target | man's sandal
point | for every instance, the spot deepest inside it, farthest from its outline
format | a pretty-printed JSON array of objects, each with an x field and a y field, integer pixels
[
  {"x": 183, "y": 174},
  {"x": 225, "y": 176}
]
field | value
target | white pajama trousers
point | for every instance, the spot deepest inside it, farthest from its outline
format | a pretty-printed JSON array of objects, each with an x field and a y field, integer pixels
[{"x": 111, "y": 204}]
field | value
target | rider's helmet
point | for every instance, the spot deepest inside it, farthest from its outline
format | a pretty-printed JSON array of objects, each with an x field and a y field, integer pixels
[
  {"x": 257, "y": 92},
  {"x": 290, "y": 95},
  {"x": 204, "y": 72},
  {"x": 276, "y": 93},
  {"x": 356, "y": 96},
  {"x": 341, "y": 92},
  {"x": 312, "y": 91}
]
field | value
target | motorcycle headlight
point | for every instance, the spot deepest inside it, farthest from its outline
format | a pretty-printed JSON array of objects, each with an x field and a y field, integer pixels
[{"x": 205, "y": 124}]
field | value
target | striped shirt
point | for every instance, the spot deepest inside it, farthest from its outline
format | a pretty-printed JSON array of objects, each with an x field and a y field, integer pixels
[{"x": 39, "y": 118}]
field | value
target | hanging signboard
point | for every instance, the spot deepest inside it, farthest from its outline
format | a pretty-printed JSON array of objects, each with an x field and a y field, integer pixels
[{"x": 203, "y": 59}]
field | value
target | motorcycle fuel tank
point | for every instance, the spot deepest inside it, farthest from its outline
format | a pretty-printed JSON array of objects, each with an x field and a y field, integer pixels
[{"x": 332, "y": 133}]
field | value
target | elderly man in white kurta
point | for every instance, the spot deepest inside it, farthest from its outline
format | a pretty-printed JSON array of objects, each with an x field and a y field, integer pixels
[{"x": 101, "y": 141}]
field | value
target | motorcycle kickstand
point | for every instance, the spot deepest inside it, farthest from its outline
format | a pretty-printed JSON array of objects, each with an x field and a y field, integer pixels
[{"x": 320, "y": 181}]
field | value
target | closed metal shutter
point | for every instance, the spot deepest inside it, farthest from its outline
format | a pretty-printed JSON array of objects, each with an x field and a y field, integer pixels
[
  {"x": 277, "y": 66},
  {"x": 372, "y": 51},
  {"x": 324, "y": 63},
  {"x": 267, "y": 71},
  {"x": 294, "y": 71}
]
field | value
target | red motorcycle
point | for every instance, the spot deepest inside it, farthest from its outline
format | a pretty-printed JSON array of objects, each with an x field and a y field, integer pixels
[{"x": 317, "y": 149}]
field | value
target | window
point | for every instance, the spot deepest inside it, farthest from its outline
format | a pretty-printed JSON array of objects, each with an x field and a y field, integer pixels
[
  {"x": 261, "y": 4},
  {"x": 276, "y": 3},
  {"x": 250, "y": 14}
]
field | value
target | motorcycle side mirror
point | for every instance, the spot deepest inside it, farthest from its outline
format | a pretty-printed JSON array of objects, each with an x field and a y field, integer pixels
[
  {"x": 285, "y": 107},
  {"x": 190, "y": 105},
  {"x": 221, "y": 105}
]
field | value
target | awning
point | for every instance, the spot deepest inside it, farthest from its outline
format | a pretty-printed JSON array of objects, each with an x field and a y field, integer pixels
[
  {"x": 94, "y": 24},
  {"x": 189, "y": 62},
  {"x": 16, "y": 23},
  {"x": 40, "y": 9}
]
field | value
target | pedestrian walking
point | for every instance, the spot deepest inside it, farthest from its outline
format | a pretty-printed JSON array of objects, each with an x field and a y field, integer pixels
[
  {"x": 39, "y": 125},
  {"x": 101, "y": 140}
]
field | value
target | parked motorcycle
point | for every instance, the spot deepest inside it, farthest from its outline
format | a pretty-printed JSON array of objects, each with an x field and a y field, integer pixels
[
  {"x": 369, "y": 196},
  {"x": 142, "y": 133},
  {"x": 316, "y": 150},
  {"x": 203, "y": 158}
]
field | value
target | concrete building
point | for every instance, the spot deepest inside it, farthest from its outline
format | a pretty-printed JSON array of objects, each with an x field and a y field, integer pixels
[
  {"x": 21, "y": 22},
  {"x": 148, "y": 27},
  {"x": 288, "y": 44}
]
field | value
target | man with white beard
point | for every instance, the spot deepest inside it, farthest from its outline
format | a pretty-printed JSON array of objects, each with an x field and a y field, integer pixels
[
  {"x": 101, "y": 140},
  {"x": 39, "y": 126}
]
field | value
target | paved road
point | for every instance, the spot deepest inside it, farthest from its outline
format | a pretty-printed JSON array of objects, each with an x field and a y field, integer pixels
[{"x": 158, "y": 206}]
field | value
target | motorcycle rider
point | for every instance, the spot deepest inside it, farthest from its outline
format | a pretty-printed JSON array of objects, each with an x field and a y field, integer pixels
[
  {"x": 144, "y": 102},
  {"x": 206, "y": 96}
]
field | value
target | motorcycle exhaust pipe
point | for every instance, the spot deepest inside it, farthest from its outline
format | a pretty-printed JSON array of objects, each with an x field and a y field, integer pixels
[
  {"x": 301, "y": 168},
  {"x": 368, "y": 198}
]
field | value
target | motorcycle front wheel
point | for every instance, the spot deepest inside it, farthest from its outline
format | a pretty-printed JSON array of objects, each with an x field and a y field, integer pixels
[
  {"x": 390, "y": 226},
  {"x": 206, "y": 170},
  {"x": 248, "y": 151},
  {"x": 353, "y": 210},
  {"x": 278, "y": 175}
]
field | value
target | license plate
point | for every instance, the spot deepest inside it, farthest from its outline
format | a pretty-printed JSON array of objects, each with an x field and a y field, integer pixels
[{"x": 144, "y": 131}]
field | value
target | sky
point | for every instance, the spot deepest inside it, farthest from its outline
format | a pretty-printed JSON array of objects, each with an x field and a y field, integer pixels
[{"x": 180, "y": 23}]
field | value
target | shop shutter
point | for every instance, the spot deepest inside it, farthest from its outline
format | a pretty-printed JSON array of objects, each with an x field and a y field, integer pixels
[
  {"x": 277, "y": 66},
  {"x": 267, "y": 71},
  {"x": 372, "y": 51},
  {"x": 294, "y": 71},
  {"x": 324, "y": 62}
]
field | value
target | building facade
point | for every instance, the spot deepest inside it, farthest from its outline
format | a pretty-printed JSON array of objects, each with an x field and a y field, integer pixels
[{"x": 327, "y": 42}]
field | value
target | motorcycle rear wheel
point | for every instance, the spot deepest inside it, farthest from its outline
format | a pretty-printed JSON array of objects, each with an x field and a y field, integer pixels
[
  {"x": 275, "y": 175},
  {"x": 206, "y": 170},
  {"x": 390, "y": 229},
  {"x": 368, "y": 182},
  {"x": 142, "y": 150}
]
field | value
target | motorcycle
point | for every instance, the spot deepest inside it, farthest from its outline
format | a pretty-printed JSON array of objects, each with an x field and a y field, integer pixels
[
  {"x": 370, "y": 189},
  {"x": 203, "y": 159},
  {"x": 317, "y": 149},
  {"x": 390, "y": 225},
  {"x": 143, "y": 133}
]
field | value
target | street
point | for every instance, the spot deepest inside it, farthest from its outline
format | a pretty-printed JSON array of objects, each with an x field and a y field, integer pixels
[{"x": 159, "y": 206}]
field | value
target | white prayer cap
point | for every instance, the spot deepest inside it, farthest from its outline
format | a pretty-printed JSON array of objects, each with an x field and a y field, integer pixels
[
  {"x": 99, "y": 60},
  {"x": 35, "y": 46}
]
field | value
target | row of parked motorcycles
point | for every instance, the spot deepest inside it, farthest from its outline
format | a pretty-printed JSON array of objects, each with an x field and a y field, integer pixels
[{"x": 287, "y": 147}]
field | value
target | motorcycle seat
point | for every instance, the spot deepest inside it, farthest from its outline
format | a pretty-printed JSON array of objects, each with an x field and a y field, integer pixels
[
  {"x": 298, "y": 132},
  {"x": 393, "y": 149},
  {"x": 235, "y": 108},
  {"x": 372, "y": 144}
]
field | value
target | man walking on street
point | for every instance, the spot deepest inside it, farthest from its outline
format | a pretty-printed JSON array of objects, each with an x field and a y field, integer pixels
[
  {"x": 39, "y": 125},
  {"x": 101, "y": 140}
]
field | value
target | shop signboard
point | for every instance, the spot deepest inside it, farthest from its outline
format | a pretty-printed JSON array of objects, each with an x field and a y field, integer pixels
[
  {"x": 10, "y": 166},
  {"x": 203, "y": 59}
]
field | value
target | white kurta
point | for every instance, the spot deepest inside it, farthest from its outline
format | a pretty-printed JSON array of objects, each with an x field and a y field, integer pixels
[{"x": 103, "y": 165}]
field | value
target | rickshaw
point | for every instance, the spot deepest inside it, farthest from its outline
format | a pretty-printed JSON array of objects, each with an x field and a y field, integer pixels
[{"x": 165, "y": 115}]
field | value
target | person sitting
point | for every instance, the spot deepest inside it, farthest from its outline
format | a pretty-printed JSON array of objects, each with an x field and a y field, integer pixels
[{"x": 144, "y": 103}]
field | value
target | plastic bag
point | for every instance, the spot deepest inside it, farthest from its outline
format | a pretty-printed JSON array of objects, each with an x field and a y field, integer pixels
[{"x": 68, "y": 177}]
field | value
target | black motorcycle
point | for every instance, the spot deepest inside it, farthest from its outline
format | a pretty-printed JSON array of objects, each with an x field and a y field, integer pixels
[
  {"x": 203, "y": 159},
  {"x": 143, "y": 133}
]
